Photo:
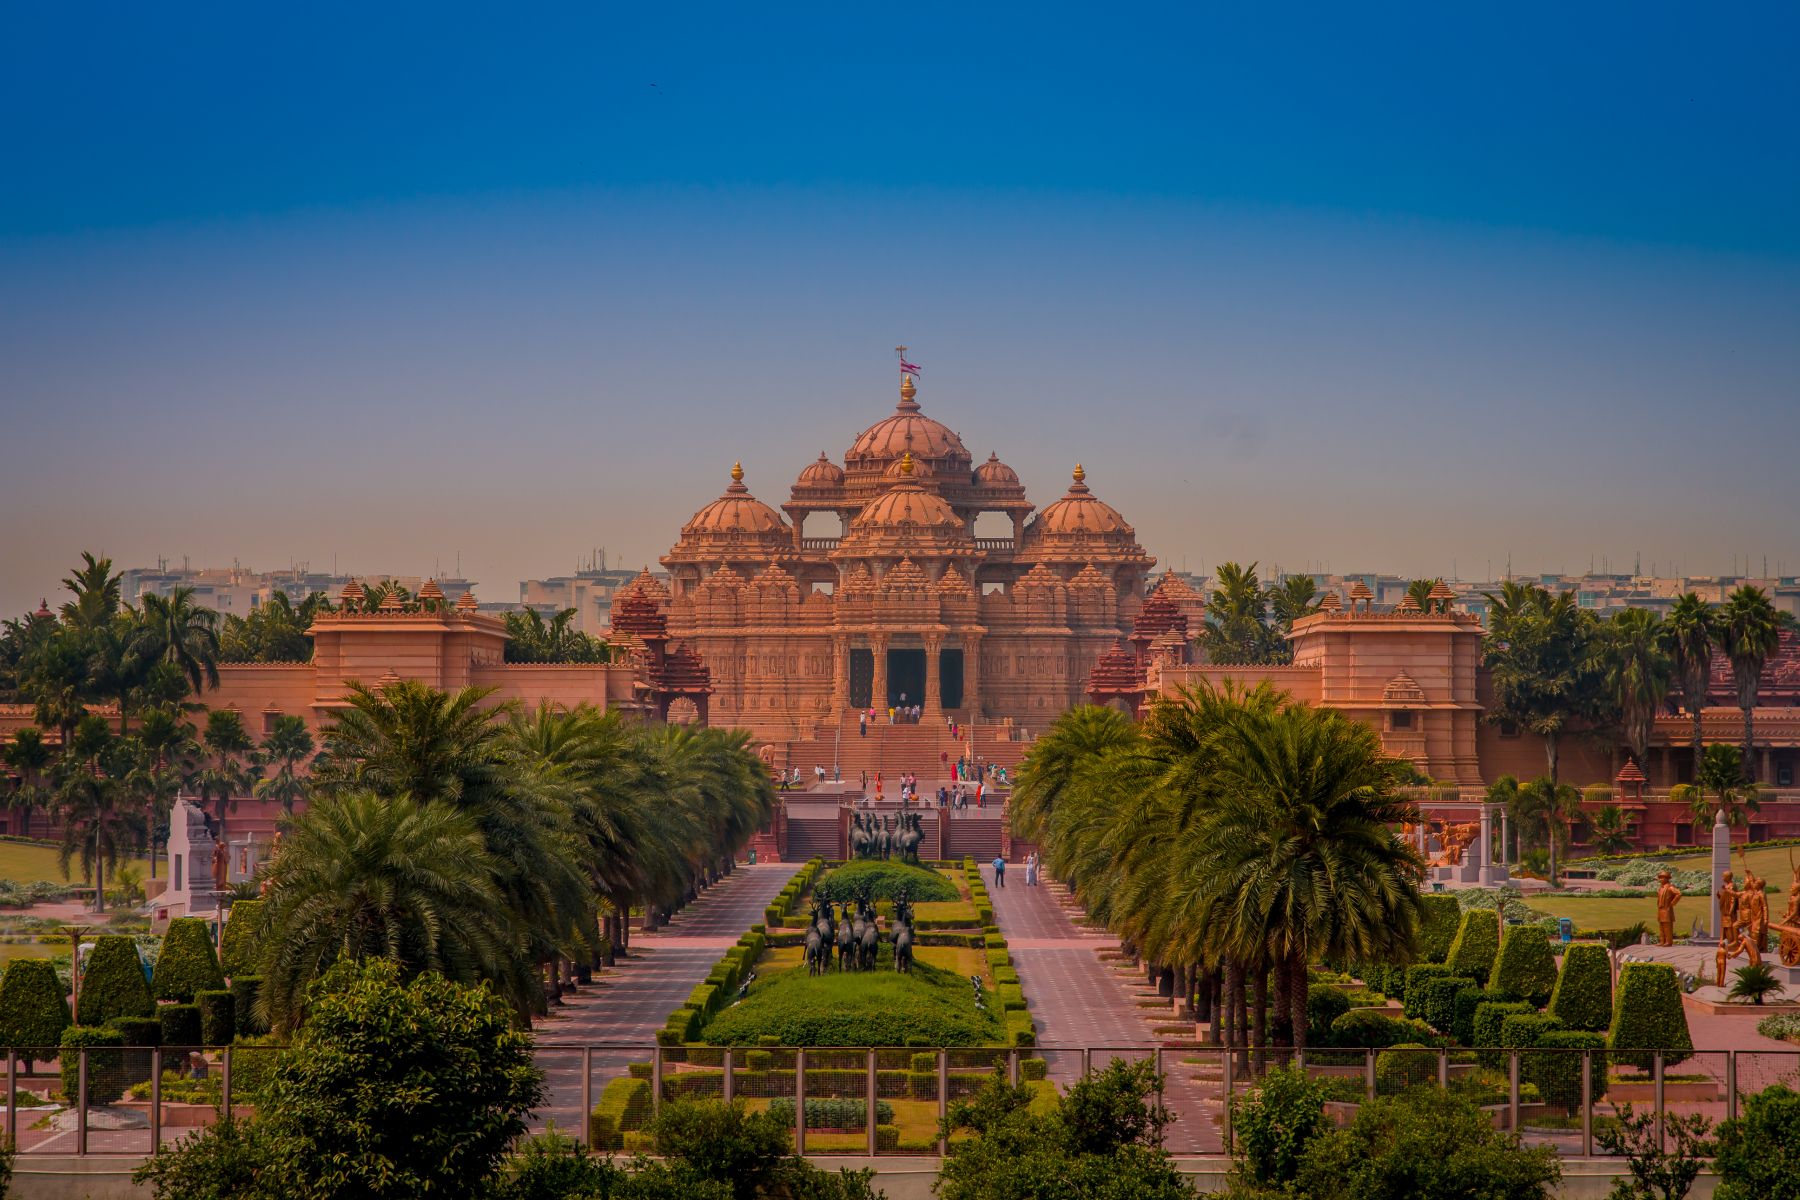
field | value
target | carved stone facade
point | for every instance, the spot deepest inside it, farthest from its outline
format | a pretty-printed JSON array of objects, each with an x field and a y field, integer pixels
[{"x": 900, "y": 604}]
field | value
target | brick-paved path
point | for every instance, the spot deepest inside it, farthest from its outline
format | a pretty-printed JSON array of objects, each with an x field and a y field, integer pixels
[
  {"x": 630, "y": 1003},
  {"x": 1078, "y": 1001}
]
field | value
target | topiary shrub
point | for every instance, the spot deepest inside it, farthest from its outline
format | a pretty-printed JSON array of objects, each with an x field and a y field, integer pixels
[
  {"x": 1462, "y": 1018},
  {"x": 624, "y": 1105},
  {"x": 244, "y": 991},
  {"x": 241, "y": 942},
  {"x": 884, "y": 881},
  {"x": 1583, "y": 996},
  {"x": 138, "y": 1031},
  {"x": 1437, "y": 929},
  {"x": 113, "y": 985},
  {"x": 218, "y": 1017},
  {"x": 1477, "y": 943},
  {"x": 1325, "y": 1003},
  {"x": 187, "y": 963},
  {"x": 1489, "y": 1016},
  {"x": 1406, "y": 1065},
  {"x": 1521, "y": 1031},
  {"x": 1367, "y": 1029},
  {"x": 1525, "y": 967},
  {"x": 1438, "y": 1007},
  {"x": 106, "y": 1074},
  {"x": 180, "y": 1024},
  {"x": 1558, "y": 1075},
  {"x": 1647, "y": 1015},
  {"x": 33, "y": 1009},
  {"x": 1416, "y": 978}
]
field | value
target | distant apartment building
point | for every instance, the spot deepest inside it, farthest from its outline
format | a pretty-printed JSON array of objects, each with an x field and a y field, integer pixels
[
  {"x": 236, "y": 589},
  {"x": 589, "y": 591}
]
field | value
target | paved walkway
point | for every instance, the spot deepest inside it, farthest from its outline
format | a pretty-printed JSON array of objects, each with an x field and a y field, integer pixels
[
  {"x": 1077, "y": 1002},
  {"x": 629, "y": 1004}
]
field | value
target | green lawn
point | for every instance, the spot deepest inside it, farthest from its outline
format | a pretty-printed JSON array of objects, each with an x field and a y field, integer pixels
[
  {"x": 27, "y": 862},
  {"x": 1601, "y": 912},
  {"x": 1771, "y": 862}
]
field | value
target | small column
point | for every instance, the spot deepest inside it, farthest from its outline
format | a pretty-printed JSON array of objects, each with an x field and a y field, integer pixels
[
  {"x": 1505, "y": 838},
  {"x": 1721, "y": 863},
  {"x": 972, "y": 679},
  {"x": 840, "y": 675},
  {"x": 878, "y": 689},
  {"x": 933, "y": 703},
  {"x": 1485, "y": 874}
]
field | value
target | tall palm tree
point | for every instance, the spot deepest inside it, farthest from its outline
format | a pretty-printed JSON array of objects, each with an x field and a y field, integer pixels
[
  {"x": 176, "y": 630},
  {"x": 1075, "y": 739},
  {"x": 287, "y": 748},
  {"x": 1543, "y": 805},
  {"x": 228, "y": 772},
  {"x": 29, "y": 758},
  {"x": 168, "y": 763},
  {"x": 1750, "y": 630},
  {"x": 1420, "y": 591},
  {"x": 1638, "y": 673},
  {"x": 96, "y": 590},
  {"x": 1236, "y": 623},
  {"x": 361, "y": 875},
  {"x": 1691, "y": 632},
  {"x": 1539, "y": 652},
  {"x": 99, "y": 822}
]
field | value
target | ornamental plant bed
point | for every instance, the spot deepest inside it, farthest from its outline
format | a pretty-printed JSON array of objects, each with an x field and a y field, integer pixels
[{"x": 1674, "y": 1092}]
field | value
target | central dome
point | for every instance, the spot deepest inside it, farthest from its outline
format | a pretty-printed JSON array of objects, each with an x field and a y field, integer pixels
[{"x": 907, "y": 430}]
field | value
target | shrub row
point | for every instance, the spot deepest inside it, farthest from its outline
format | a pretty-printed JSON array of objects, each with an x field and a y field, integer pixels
[
  {"x": 791, "y": 892},
  {"x": 719, "y": 989}
]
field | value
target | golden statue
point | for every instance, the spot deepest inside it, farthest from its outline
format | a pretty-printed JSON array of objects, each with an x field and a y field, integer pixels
[
  {"x": 1667, "y": 897},
  {"x": 1456, "y": 840},
  {"x": 1737, "y": 913},
  {"x": 1789, "y": 926},
  {"x": 1728, "y": 909}
]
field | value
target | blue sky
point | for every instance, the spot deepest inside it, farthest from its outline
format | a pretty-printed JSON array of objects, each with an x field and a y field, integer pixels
[{"x": 1408, "y": 290}]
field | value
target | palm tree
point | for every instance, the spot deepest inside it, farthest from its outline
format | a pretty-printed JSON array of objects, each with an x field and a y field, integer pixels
[
  {"x": 176, "y": 630},
  {"x": 1541, "y": 663},
  {"x": 1293, "y": 598},
  {"x": 96, "y": 590},
  {"x": 228, "y": 772},
  {"x": 1611, "y": 831},
  {"x": 1638, "y": 673},
  {"x": 1691, "y": 632},
  {"x": 166, "y": 765},
  {"x": 1750, "y": 630},
  {"x": 288, "y": 748},
  {"x": 29, "y": 758},
  {"x": 1542, "y": 805},
  {"x": 1077, "y": 738},
  {"x": 1722, "y": 777},
  {"x": 1420, "y": 591},
  {"x": 362, "y": 875},
  {"x": 99, "y": 822},
  {"x": 1236, "y": 628}
]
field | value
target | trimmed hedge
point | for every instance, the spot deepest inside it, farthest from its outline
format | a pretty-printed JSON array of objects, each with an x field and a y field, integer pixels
[
  {"x": 832, "y": 1113},
  {"x": 218, "y": 1017},
  {"x": 1489, "y": 1015},
  {"x": 1438, "y": 1005},
  {"x": 1558, "y": 1076},
  {"x": 1366, "y": 1028},
  {"x": 1404, "y": 1066},
  {"x": 180, "y": 1024},
  {"x": 1476, "y": 945},
  {"x": 33, "y": 1009},
  {"x": 113, "y": 985},
  {"x": 138, "y": 1031},
  {"x": 187, "y": 963},
  {"x": 106, "y": 1073},
  {"x": 1437, "y": 928},
  {"x": 1416, "y": 977},
  {"x": 1521, "y": 1031},
  {"x": 1463, "y": 1005},
  {"x": 240, "y": 943},
  {"x": 1583, "y": 996},
  {"x": 1325, "y": 1003},
  {"x": 1526, "y": 967},
  {"x": 623, "y": 1106},
  {"x": 244, "y": 991},
  {"x": 884, "y": 880},
  {"x": 1648, "y": 1015}
]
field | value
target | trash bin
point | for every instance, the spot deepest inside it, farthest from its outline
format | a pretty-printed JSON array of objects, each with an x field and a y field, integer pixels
[
  {"x": 1565, "y": 929},
  {"x": 753, "y": 863}
]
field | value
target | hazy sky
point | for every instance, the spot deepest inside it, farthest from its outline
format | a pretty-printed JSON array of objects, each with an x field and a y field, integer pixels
[{"x": 1404, "y": 290}]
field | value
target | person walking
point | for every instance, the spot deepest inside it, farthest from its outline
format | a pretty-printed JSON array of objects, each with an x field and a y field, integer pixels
[
  {"x": 862, "y": 721},
  {"x": 999, "y": 871},
  {"x": 1031, "y": 869}
]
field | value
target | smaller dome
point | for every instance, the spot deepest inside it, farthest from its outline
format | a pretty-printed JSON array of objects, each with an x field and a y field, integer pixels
[
  {"x": 908, "y": 467},
  {"x": 994, "y": 473},
  {"x": 466, "y": 601},
  {"x": 736, "y": 511},
  {"x": 431, "y": 591},
  {"x": 822, "y": 473},
  {"x": 1080, "y": 511}
]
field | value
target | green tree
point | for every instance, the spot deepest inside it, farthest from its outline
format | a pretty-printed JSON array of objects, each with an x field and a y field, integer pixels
[
  {"x": 362, "y": 876},
  {"x": 1541, "y": 807},
  {"x": 1749, "y": 631},
  {"x": 1691, "y": 632},
  {"x": 1236, "y": 629},
  {"x": 1758, "y": 1154},
  {"x": 1539, "y": 653},
  {"x": 95, "y": 586},
  {"x": 531, "y": 639},
  {"x": 29, "y": 758},
  {"x": 1610, "y": 832},
  {"x": 229, "y": 770},
  {"x": 179, "y": 632},
  {"x": 288, "y": 748},
  {"x": 100, "y": 822},
  {"x": 1721, "y": 787},
  {"x": 1638, "y": 673}
]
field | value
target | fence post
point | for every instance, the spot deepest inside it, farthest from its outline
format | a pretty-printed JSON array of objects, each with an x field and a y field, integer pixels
[
  {"x": 656, "y": 1074},
  {"x": 587, "y": 1093},
  {"x": 1512, "y": 1093},
  {"x": 943, "y": 1073},
  {"x": 1369, "y": 1072},
  {"x": 1731, "y": 1085},
  {"x": 81, "y": 1068},
  {"x": 12, "y": 1097},
  {"x": 1657, "y": 1065},
  {"x": 156, "y": 1100},
  {"x": 871, "y": 1102},
  {"x": 727, "y": 1089},
  {"x": 1587, "y": 1104},
  {"x": 225, "y": 1084},
  {"x": 800, "y": 1100},
  {"x": 1087, "y": 1061},
  {"x": 1230, "y": 1133},
  {"x": 1012, "y": 1067},
  {"x": 1444, "y": 1068}
]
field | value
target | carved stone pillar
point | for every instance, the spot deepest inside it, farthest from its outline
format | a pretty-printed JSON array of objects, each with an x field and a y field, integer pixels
[
  {"x": 972, "y": 679},
  {"x": 878, "y": 690},
  {"x": 933, "y": 709},
  {"x": 840, "y": 675}
]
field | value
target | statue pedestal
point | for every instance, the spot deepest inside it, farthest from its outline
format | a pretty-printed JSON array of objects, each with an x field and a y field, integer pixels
[{"x": 1789, "y": 977}]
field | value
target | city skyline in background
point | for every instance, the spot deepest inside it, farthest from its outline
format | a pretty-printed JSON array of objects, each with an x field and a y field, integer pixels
[{"x": 1411, "y": 292}]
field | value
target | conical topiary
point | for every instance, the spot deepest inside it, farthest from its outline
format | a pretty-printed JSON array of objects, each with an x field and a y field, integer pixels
[
  {"x": 1583, "y": 998},
  {"x": 1525, "y": 968},
  {"x": 1477, "y": 943},
  {"x": 113, "y": 985},
  {"x": 34, "y": 1011},
  {"x": 187, "y": 963}
]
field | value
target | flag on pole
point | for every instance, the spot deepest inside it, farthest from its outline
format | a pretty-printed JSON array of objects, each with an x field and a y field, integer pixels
[{"x": 908, "y": 367}]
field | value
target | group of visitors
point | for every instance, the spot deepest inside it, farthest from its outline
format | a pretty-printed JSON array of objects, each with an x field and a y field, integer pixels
[
  {"x": 1031, "y": 870},
  {"x": 897, "y": 714}
]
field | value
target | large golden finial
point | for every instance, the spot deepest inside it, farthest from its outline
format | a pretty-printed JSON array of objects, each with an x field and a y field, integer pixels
[
  {"x": 737, "y": 472},
  {"x": 906, "y": 463},
  {"x": 907, "y": 392},
  {"x": 1080, "y": 475}
]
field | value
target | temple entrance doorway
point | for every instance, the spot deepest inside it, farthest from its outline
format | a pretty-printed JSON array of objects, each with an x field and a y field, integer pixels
[
  {"x": 950, "y": 678},
  {"x": 862, "y": 678},
  {"x": 905, "y": 677}
]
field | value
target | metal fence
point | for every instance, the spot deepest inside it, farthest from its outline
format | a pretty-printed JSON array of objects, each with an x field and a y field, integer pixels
[{"x": 893, "y": 1100}]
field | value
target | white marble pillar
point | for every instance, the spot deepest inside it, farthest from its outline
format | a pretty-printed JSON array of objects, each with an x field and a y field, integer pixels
[{"x": 1721, "y": 863}]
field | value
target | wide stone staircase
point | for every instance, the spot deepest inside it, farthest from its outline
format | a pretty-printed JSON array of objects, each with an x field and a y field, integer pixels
[{"x": 924, "y": 749}]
